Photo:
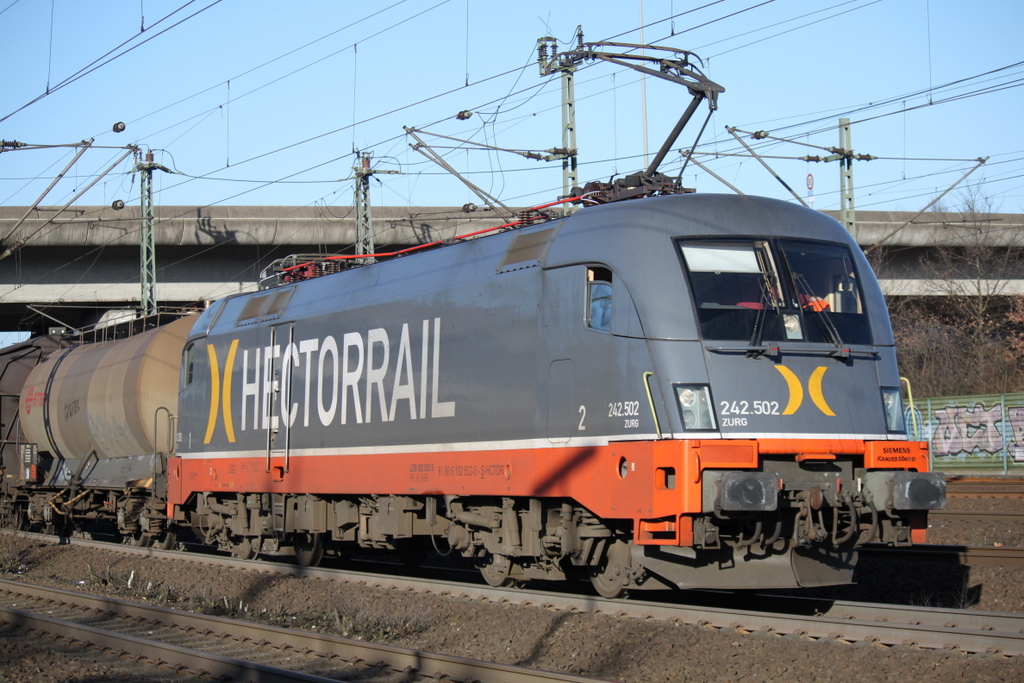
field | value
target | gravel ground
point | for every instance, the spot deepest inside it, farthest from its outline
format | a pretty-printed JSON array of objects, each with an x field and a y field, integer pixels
[{"x": 598, "y": 646}]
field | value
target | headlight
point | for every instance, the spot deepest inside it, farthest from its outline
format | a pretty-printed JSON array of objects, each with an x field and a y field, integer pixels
[
  {"x": 748, "y": 492},
  {"x": 906, "y": 490},
  {"x": 919, "y": 490},
  {"x": 892, "y": 404},
  {"x": 695, "y": 406}
]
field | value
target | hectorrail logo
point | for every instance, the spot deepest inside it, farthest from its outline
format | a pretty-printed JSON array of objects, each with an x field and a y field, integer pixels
[
  {"x": 216, "y": 393},
  {"x": 334, "y": 380},
  {"x": 796, "y": 390}
]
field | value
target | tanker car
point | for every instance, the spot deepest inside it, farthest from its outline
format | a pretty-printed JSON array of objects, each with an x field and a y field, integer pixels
[{"x": 677, "y": 391}]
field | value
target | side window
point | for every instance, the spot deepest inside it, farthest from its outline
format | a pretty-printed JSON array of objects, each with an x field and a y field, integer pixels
[
  {"x": 188, "y": 367},
  {"x": 599, "y": 298}
]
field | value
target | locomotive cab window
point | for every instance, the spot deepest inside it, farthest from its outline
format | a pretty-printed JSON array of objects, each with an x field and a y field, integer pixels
[
  {"x": 599, "y": 298},
  {"x": 765, "y": 291},
  {"x": 825, "y": 281}
]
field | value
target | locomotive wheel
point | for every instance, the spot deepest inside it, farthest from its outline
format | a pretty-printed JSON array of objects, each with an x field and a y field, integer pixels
[
  {"x": 611, "y": 576},
  {"x": 496, "y": 570},
  {"x": 141, "y": 540},
  {"x": 165, "y": 541},
  {"x": 309, "y": 549},
  {"x": 242, "y": 548}
]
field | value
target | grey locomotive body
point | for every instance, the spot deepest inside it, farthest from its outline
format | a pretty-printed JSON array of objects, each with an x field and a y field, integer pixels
[{"x": 584, "y": 380}]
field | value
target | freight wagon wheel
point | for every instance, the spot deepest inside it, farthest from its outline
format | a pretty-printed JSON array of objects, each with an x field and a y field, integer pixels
[
  {"x": 496, "y": 570},
  {"x": 309, "y": 549},
  {"x": 611, "y": 576}
]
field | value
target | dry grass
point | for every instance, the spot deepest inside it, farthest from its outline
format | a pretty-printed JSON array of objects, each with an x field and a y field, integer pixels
[{"x": 13, "y": 549}]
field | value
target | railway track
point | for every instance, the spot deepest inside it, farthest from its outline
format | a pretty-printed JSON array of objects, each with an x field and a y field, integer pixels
[
  {"x": 976, "y": 556},
  {"x": 981, "y": 487},
  {"x": 238, "y": 650},
  {"x": 976, "y": 516},
  {"x": 966, "y": 630}
]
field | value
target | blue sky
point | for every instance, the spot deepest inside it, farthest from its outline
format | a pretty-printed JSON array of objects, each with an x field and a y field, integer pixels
[{"x": 262, "y": 103}]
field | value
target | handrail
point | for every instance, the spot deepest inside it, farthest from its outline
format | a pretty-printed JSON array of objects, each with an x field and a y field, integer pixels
[
  {"x": 171, "y": 421},
  {"x": 650, "y": 400}
]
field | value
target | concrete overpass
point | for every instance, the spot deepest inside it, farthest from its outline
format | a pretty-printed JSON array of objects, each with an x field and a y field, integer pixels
[{"x": 75, "y": 267}]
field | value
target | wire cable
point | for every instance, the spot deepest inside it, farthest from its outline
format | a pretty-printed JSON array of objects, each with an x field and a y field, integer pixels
[{"x": 93, "y": 66}]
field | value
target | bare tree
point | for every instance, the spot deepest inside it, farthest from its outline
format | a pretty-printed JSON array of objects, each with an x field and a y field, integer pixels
[{"x": 961, "y": 339}]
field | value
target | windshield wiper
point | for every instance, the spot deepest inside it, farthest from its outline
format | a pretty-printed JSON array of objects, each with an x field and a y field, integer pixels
[
  {"x": 824, "y": 316},
  {"x": 756, "y": 349}
]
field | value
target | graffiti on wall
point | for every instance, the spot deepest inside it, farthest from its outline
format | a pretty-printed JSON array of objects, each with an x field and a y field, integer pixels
[{"x": 973, "y": 431}]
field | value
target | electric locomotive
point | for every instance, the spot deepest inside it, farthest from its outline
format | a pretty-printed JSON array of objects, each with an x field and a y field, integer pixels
[{"x": 677, "y": 391}]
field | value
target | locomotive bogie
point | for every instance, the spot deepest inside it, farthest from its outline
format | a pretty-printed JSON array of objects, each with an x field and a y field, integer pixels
[{"x": 514, "y": 539}]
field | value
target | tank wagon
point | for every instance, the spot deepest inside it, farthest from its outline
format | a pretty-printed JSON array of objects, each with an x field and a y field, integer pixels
[
  {"x": 98, "y": 425},
  {"x": 16, "y": 362},
  {"x": 679, "y": 391}
]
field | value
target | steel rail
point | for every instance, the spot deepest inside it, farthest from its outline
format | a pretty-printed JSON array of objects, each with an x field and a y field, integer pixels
[
  {"x": 984, "y": 488},
  {"x": 215, "y": 665},
  {"x": 977, "y": 516},
  {"x": 425, "y": 664},
  {"x": 928, "y": 627},
  {"x": 974, "y": 555}
]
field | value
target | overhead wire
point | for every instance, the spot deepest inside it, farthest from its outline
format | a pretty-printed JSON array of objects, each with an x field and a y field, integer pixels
[
  {"x": 306, "y": 66},
  {"x": 9, "y": 6},
  {"x": 268, "y": 62},
  {"x": 283, "y": 180},
  {"x": 318, "y": 137},
  {"x": 797, "y": 28},
  {"x": 855, "y": 109},
  {"x": 660, "y": 21},
  {"x": 535, "y": 88},
  {"x": 747, "y": 9},
  {"x": 93, "y": 66},
  {"x": 959, "y": 82}
]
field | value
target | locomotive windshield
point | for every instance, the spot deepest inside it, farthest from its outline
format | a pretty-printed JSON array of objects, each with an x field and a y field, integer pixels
[{"x": 776, "y": 290}]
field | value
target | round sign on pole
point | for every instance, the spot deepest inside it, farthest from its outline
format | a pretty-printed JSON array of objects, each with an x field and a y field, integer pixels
[{"x": 810, "y": 181}]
